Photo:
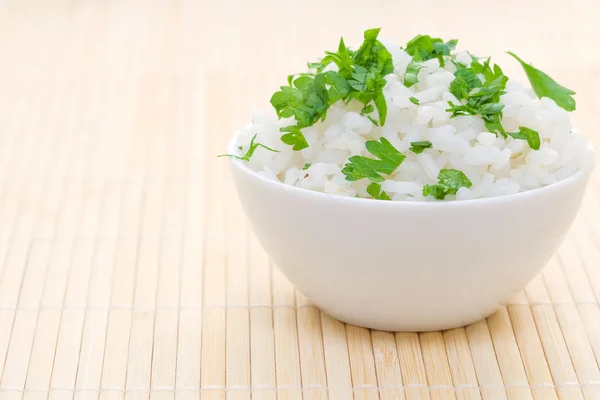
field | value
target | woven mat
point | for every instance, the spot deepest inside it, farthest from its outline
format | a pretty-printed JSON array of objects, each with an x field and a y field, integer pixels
[{"x": 127, "y": 269}]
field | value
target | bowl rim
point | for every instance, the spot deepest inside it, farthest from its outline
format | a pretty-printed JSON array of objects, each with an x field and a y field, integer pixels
[{"x": 579, "y": 175}]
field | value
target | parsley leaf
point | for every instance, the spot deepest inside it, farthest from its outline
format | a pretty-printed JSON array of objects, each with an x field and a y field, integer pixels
[
  {"x": 412, "y": 70},
  {"x": 338, "y": 86},
  {"x": 531, "y": 136},
  {"x": 303, "y": 82},
  {"x": 427, "y": 48},
  {"x": 420, "y": 44},
  {"x": 360, "y": 167},
  {"x": 459, "y": 87},
  {"x": 374, "y": 122},
  {"x": 494, "y": 125},
  {"x": 385, "y": 151},
  {"x": 381, "y": 107},
  {"x": 368, "y": 86},
  {"x": 449, "y": 181},
  {"x": 251, "y": 149},
  {"x": 343, "y": 59},
  {"x": 308, "y": 100},
  {"x": 436, "y": 191},
  {"x": 389, "y": 158},
  {"x": 414, "y": 100},
  {"x": 484, "y": 102},
  {"x": 306, "y": 166},
  {"x": 360, "y": 76},
  {"x": 367, "y": 109},
  {"x": 374, "y": 189},
  {"x": 544, "y": 86},
  {"x": 464, "y": 82},
  {"x": 486, "y": 70},
  {"x": 373, "y": 55},
  {"x": 364, "y": 71},
  {"x": 423, "y": 48},
  {"x": 294, "y": 137},
  {"x": 490, "y": 92},
  {"x": 419, "y": 147},
  {"x": 286, "y": 100},
  {"x": 441, "y": 48}
]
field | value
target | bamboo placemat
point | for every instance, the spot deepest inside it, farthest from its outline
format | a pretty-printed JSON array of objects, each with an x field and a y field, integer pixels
[{"x": 127, "y": 269}]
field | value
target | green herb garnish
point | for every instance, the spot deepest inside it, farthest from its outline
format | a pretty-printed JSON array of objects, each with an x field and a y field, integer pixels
[
  {"x": 373, "y": 55},
  {"x": 389, "y": 158},
  {"x": 374, "y": 189},
  {"x": 423, "y": 48},
  {"x": 531, "y": 136},
  {"x": 419, "y": 147},
  {"x": 306, "y": 166},
  {"x": 486, "y": 69},
  {"x": 360, "y": 76},
  {"x": 483, "y": 98},
  {"x": 480, "y": 98},
  {"x": 250, "y": 152},
  {"x": 544, "y": 86},
  {"x": 294, "y": 137},
  {"x": 412, "y": 70},
  {"x": 427, "y": 48},
  {"x": 450, "y": 180},
  {"x": 373, "y": 121},
  {"x": 307, "y": 100},
  {"x": 485, "y": 101},
  {"x": 368, "y": 86},
  {"x": 367, "y": 109},
  {"x": 464, "y": 82}
]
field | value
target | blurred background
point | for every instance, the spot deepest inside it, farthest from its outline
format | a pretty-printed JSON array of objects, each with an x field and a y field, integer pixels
[{"x": 126, "y": 265}]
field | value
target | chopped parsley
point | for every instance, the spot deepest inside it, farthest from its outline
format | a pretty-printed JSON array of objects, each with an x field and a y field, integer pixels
[
  {"x": 486, "y": 70},
  {"x": 426, "y": 48},
  {"x": 373, "y": 121},
  {"x": 294, "y": 137},
  {"x": 389, "y": 158},
  {"x": 483, "y": 98},
  {"x": 367, "y": 109},
  {"x": 477, "y": 97},
  {"x": 464, "y": 82},
  {"x": 251, "y": 149},
  {"x": 449, "y": 181},
  {"x": 412, "y": 71},
  {"x": 544, "y": 86},
  {"x": 374, "y": 189},
  {"x": 531, "y": 136},
  {"x": 360, "y": 76},
  {"x": 423, "y": 48},
  {"x": 419, "y": 147}
]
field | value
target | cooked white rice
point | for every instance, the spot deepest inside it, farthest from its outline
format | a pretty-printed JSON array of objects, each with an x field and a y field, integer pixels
[{"x": 495, "y": 166}]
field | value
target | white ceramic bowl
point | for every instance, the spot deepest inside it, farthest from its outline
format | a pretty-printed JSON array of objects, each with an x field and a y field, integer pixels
[{"x": 408, "y": 266}]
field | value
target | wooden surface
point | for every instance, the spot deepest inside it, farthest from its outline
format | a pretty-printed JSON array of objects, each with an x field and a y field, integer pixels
[{"x": 127, "y": 269}]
